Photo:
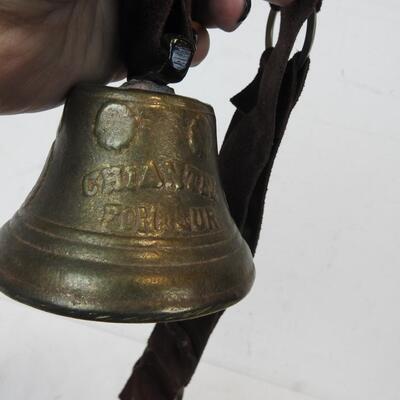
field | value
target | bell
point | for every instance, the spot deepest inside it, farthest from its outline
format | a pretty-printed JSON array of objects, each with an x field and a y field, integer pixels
[{"x": 128, "y": 221}]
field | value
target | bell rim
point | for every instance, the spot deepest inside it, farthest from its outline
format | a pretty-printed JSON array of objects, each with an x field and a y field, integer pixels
[{"x": 237, "y": 265}]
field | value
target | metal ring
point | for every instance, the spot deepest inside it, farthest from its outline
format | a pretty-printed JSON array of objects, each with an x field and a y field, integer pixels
[{"x": 310, "y": 34}]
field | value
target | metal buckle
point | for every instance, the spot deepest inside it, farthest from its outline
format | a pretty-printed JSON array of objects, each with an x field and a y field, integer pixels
[{"x": 310, "y": 34}]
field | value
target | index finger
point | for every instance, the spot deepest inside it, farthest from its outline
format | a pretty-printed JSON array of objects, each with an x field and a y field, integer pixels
[{"x": 224, "y": 14}]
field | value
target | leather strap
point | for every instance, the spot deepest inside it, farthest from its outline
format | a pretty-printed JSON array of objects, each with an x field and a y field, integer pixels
[{"x": 246, "y": 160}]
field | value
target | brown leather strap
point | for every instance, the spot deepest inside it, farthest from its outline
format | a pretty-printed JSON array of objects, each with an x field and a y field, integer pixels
[{"x": 246, "y": 159}]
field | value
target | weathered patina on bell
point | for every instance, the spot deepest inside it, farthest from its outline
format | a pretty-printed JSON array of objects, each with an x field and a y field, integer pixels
[{"x": 128, "y": 221}]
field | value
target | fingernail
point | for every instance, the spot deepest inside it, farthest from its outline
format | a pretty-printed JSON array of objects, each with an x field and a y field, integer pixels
[{"x": 246, "y": 10}]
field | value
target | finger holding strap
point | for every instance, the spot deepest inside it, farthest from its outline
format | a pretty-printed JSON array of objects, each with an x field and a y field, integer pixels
[
  {"x": 224, "y": 14},
  {"x": 202, "y": 40}
]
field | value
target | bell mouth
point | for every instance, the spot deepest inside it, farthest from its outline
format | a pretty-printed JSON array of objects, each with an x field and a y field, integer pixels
[{"x": 161, "y": 288}]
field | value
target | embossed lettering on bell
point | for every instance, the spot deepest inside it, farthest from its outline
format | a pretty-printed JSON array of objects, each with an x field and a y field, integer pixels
[{"x": 128, "y": 221}]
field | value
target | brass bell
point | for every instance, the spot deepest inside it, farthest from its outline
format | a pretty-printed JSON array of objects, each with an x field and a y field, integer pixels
[{"x": 128, "y": 221}]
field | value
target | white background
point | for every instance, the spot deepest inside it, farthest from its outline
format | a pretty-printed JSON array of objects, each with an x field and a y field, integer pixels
[{"x": 323, "y": 320}]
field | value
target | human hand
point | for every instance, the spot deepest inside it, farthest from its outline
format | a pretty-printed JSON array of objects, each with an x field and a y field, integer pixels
[{"x": 47, "y": 46}]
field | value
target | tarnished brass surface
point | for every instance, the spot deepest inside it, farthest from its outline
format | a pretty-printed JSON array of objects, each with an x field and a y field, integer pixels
[{"x": 128, "y": 221}]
